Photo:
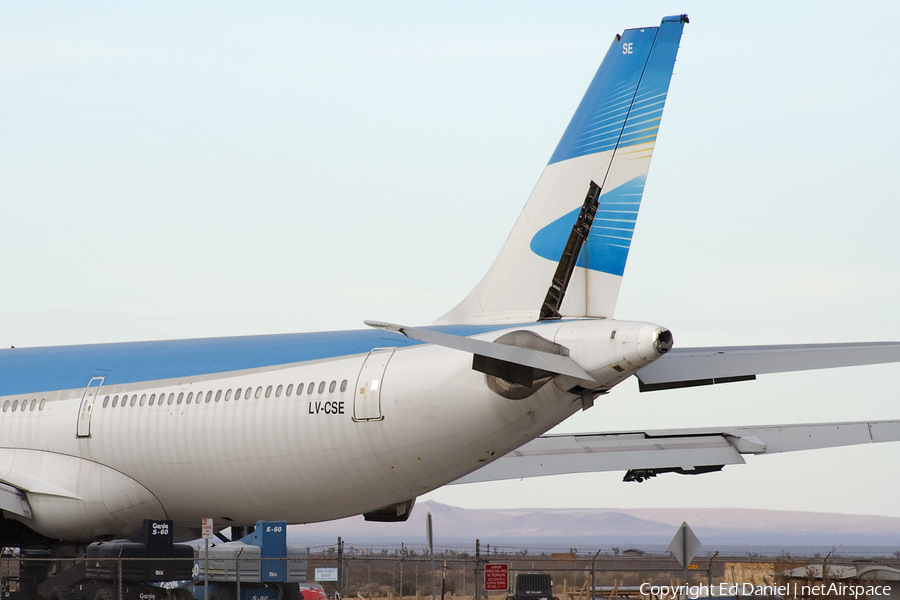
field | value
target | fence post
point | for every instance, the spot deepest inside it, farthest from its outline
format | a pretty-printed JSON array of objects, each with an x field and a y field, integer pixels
[
  {"x": 237, "y": 574},
  {"x": 119, "y": 573},
  {"x": 709, "y": 572},
  {"x": 340, "y": 560},
  {"x": 477, "y": 569}
]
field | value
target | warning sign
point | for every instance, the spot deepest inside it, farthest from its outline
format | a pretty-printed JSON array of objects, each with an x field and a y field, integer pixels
[
  {"x": 207, "y": 528},
  {"x": 496, "y": 577}
]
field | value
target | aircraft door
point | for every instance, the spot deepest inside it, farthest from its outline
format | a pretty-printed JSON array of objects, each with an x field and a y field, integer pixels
[
  {"x": 367, "y": 394},
  {"x": 87, "y": 407}
]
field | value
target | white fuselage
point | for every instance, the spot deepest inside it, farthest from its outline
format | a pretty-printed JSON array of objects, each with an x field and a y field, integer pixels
[{"x": 299, "y": 457}]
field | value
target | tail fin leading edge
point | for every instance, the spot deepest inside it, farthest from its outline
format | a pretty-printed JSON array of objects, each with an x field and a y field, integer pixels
[{"x": 609, "y": 141}]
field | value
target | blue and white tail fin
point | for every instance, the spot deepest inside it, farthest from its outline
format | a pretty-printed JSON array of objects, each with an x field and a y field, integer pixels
[{"x": 609, "y": 142}]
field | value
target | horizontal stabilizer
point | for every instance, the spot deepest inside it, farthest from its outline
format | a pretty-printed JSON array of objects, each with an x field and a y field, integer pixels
[
  {"x": 684, "y": 451},
  {"x": 686, "y": 367},
  {"x": 542, "y": 361}
]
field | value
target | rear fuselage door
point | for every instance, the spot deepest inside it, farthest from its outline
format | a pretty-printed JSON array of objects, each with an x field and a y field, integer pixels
[
  {"x": 367, "y": 394},
  {"x": 87, "y": 406}
]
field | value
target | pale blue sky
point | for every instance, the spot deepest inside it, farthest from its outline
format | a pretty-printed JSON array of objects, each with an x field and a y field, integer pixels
[{"x": 172, "y": 170}]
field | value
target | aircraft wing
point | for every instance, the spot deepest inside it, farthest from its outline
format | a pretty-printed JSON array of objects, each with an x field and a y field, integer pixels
[
  {"x": 687, "y": 367},
  {"x": 645, "y": 454}
]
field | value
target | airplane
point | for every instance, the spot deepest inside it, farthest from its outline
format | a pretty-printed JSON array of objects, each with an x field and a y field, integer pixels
[{"x": 309, "y": 427}]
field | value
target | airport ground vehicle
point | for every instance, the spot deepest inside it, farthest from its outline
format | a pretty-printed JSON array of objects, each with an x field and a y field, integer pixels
[
  {"x": 149, "y": 566},
  {"x": 531, "y": 586},
  {"x": 259, "y": 566},
  {"x": 126, "y": 569}
]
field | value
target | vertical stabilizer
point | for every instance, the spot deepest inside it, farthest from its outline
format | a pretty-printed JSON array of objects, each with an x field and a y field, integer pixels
[{"x": 609, "y": 142}]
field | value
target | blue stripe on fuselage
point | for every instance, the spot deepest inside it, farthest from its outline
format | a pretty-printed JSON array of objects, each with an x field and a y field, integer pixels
[{"x": 36, "y": 370}]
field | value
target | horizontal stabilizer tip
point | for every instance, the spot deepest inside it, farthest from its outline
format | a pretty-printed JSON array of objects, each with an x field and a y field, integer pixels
[{"x": 688, "y": 367}]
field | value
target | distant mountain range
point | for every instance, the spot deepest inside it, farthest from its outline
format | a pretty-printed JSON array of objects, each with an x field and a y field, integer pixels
[{"x": 727, "y": 529}]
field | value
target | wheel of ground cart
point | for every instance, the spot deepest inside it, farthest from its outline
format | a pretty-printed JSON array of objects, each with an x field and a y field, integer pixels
[
  {"x": 104, "y": 593},
  {"x": 290, "y": 591},
  {"x": 62, "y": 594},
  {"x": 181, "y": 594}
]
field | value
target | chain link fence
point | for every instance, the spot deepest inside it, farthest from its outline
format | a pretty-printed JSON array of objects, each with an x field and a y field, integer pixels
[
  {"x": 370, "y": 576},
  {"x": 462, "y": 578}
]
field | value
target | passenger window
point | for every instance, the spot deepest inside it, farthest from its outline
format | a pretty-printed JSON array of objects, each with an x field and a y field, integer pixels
[
  {"x": 344, "y": 385},
  {"x": 321, "y": 387},
  {"x": 33, "y": 404},
  {"x": 152, "y": 399},
  {"x": 15, "y": 405},
  {"x": 24, "y": 405},
  {"x": 237, "y": 395},
  {"x": 6, "y": 406},
  {"x": 268, "y": 391},
  {"x": 41, "y": 407},
  {"x": 171, "y": 398},
  {"x": 278, "y": 391},
  {"x": 115, "y": 401},
  {"x": 218, "y": 395},
  {"x": 311, "y": 388},
  {"x": 208, "y": 396},
  {"x": 228, "y": 395},
  {"x": 299, "y": 389},
  {"x": 180, "y": 398},
  {"x": 134, "y": 400},
  {"x": 259, "y": 392},
  {"x": 331, "y": 387},
  {"x": 143, "y": 399},
  {"x": 106, "y": 402},
  {"x": 190, "y": 397},
  {"x": 124, "y": 401}
]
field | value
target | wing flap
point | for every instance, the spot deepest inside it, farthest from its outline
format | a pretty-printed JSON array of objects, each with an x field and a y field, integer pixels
[
  {"x": 681, "y": 450},
  {"x": 686, "y": 367}
]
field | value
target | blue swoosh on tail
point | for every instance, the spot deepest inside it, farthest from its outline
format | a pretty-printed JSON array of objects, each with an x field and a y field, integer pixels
[{"x": 606, "y": 249}]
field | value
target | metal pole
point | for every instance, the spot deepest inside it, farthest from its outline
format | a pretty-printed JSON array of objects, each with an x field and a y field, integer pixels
[
  {"x": 593, "y": 560},
  {"x": 206, "y": 573},
  {"x": 402, "y": 552},
  {"x": 119, "y": 570},
  {"x": 237, "y": 572},
  {"x": 709, "y": 572},
  {"x": 477, "y": 569},
  {"x": 340, "y": 582}
]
